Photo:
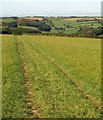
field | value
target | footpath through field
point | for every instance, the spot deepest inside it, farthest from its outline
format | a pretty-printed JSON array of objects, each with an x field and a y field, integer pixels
[
  {"x": 51, "y": 90},
  {"x": 29, "y": 93}
]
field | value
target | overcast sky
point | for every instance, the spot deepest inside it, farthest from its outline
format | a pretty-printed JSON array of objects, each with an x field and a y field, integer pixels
[{"x": 51, "y": 7}]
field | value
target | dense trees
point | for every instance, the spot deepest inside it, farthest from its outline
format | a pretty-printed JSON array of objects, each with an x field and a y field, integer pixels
[
  {"x": 17, "y": 31},
  {"x": 10, "y": 24},
  {"x": 89, "y": 32},
  {"x": 44, "y": 27},
  {"x": 6, "y": 30},
  {"x": 41, "y": 25}
]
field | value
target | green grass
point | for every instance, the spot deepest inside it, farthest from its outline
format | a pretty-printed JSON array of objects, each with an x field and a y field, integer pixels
[
  {"x": 52, "y": 64},
  {"x": 8, "y": 20},
  {"x": 13, "y": 105},
  {"x": 29, "y": 27},
  {"x": 76, "y": 55}
]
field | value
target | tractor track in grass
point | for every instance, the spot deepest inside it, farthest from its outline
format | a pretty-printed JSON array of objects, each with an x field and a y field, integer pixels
[
  {"x": 28, "y": 86},
  {"x": 72, "y": 79}
]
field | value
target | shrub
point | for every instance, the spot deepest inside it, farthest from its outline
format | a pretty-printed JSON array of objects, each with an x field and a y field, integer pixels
[
  {"x": 10, "y": 24},
  {"x": 17, "y": 31},
  {"x": 6, "y": 30},
  {"x": 44, "y": 28},
  {"x": 89, "y": 32}
]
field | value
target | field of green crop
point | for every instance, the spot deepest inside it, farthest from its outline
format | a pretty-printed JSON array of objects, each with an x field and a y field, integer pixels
[{"x": 51, "y": 77}]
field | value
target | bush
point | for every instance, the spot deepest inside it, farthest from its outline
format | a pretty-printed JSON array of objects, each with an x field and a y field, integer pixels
[
  {"x": 10, "y": 24},
  {"x": 89, "y": 32},
  {"x": 41, "y": 25},
  {"x": 6, "y": 30},
  {"x": 44, "y": 28},
  {"x": 17, "y": 31},
  {"x": 13, "y": 24}
]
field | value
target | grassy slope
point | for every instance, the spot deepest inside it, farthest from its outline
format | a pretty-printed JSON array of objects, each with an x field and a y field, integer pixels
[
  {"x": 8, "y": 20},
  {"x": 13, "y": 91},
  {"x": 73, "y": 23},
  {"x": 35, "y": 28}
]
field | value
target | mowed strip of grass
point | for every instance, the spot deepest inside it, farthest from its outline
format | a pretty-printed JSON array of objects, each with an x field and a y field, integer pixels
[
  {"x": 55, "y": 95},
  {"x": 13, "y": 105}
]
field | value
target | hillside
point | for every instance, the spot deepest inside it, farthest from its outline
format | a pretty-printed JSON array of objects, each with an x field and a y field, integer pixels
[{"x": 66, "y": 26}]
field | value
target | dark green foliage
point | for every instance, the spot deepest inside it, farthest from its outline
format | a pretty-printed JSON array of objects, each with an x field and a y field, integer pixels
[
  {"x": 17, "y": 31},
  {"x": 41, "y": 25},
  {"x": 10, "y": 24},
  {"x": 92, "y": 24},
  {"x": 44, "y": 28},
  {"x": 13, "y": 24},
  {"x": 59, "y": 28},
  {"x": 33, "y": 23},
  {"x": 98, "y": 31},
  {"x": 6, "y": 30},
  {"x": 14, "y": 17},
  {"x": 68, "y": 26},
  {"x": 89, "y": 32},
  {"x": 49, "y": 22}
]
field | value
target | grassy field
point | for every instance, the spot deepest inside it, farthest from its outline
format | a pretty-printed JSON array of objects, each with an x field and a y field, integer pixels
[
  {"x": 35, "y": 28},
  {"x": 8, "y": 20},
  {"x": 51, "y": 77},
  {"x": 13, "y": 91}
]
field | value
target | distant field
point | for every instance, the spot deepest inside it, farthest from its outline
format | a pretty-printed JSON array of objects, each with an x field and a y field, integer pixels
[
  {"x": 8, "y": 20},
  {"x": 51, "y": 77},
  {"x": 82, "y": 18},
  {"x": 29, "y": 27},
  {"x": 34, "y": 18}
]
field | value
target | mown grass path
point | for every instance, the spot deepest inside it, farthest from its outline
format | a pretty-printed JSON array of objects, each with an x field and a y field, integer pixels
[
  {"x": 13, "y": 105},
  {"x": 29, "y": 93}
]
